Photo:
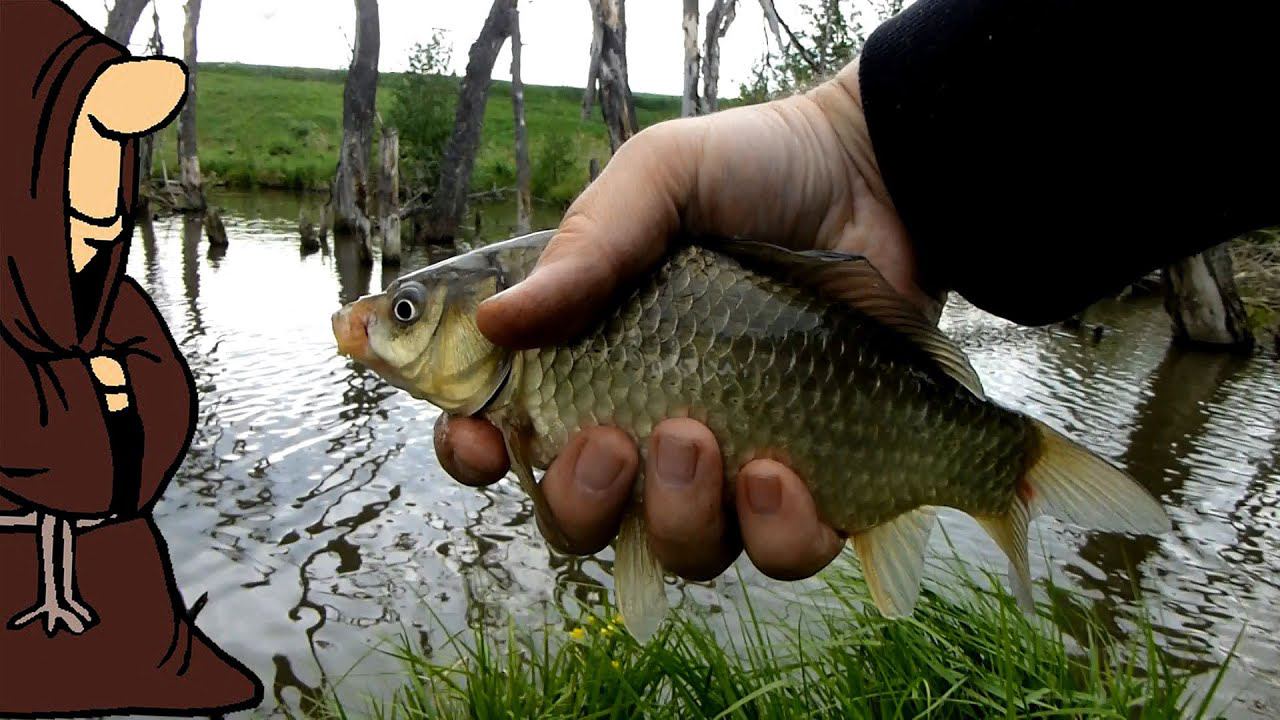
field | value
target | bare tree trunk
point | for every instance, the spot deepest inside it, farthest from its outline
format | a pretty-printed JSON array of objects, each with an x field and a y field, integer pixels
[
  {"x": 524, "y": 194},
  {"x": 1202, "y": 300},
  {"x": 719, "y": 18},
  {"x": 349, "y": 197},
  {"x": 689, "y": 102},
  {"x": 450, "y": 200},
  {"x": 389, "y": 197},
  {"x": 771, "y": 19},
  {"x": 611, "y": 85},
  {"x": 593, "y": 67},
  {"x": 123, "y": 18},
  {"x": 188, "y": 160},
  {"x": 147, "y": 143}
]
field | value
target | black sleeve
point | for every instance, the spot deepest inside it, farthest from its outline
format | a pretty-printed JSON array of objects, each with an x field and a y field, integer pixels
[{"x": 1045, "y": 153}]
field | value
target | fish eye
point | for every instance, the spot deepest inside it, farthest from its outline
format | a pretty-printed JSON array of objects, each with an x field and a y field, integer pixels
[{"x": 407, "y": 304}]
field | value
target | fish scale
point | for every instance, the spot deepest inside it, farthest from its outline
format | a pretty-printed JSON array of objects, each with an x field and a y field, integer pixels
[{"x": 778, "y": 369}]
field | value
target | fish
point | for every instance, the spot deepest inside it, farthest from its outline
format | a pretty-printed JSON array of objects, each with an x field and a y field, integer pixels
[{"x": 806, "y": 356}]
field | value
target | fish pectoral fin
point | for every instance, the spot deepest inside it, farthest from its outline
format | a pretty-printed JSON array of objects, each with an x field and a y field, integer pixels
[
  {"x": 892, "y": 556},
  {"x": 1009, "y": 531},
  {"x": 1069, "y": 482},
  {"x": 637, "y": 576},
  {"x": 518, "y": 455},
  {"x": 854, "y": 281}
]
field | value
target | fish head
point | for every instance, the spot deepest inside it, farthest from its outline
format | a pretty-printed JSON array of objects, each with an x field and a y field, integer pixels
[{"x": 420, "y": 335}]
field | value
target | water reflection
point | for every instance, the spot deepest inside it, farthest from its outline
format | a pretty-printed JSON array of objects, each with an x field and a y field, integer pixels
[{"x": 313, "y": 512}]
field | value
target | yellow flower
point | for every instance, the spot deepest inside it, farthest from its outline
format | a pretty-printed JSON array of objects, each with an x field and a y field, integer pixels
[
  {"x": 604, "y": 631},
  {"x": 615, "y": 664},
  {"x": 578, "y": 633},
  {"x": 591, "y": 619},
  {"x": 617, "y": 619}
]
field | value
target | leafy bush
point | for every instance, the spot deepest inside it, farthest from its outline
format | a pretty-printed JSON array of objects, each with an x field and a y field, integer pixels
[
  {"x": 421, "y": 108},
  {"x": 553, "y": 160}
]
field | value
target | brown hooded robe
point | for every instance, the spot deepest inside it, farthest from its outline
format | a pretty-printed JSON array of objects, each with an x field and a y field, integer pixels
[{"x": 58, "y": 452}]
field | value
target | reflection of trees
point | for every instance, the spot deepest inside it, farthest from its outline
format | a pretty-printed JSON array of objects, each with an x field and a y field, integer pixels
[
  {"x": 1168, "y": 423},
  {"x": 353, "y": 275},
  {"x": 191, "y": 229},
  {"x": 145, "y": 225}
]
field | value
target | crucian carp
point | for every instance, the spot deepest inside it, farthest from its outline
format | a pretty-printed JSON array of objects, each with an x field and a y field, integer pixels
[{"x": 808, "y": 352}]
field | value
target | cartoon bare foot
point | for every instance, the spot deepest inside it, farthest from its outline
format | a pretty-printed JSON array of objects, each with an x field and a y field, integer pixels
[
  {"x": 56, "y": 588},
  {"x": 52, "y": 614}
]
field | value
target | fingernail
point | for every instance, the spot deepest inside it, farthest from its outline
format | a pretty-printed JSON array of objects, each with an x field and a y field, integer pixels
[
  {"x": 677, "y": 460},
  {"x": 598, "y": 468},
  {"x": 764, "y": 494}
]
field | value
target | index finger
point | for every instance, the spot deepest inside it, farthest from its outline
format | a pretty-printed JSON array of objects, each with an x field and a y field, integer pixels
[{"x": 616, "y": 230}]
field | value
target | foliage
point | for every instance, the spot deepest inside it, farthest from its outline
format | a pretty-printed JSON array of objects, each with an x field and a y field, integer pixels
[
  {"x": 833, "y": 34},
  {"x": 967, "y": 652},
  {"x": 421, "y": 108},
  {"x": 291, "y": 138},
  {"x": 553, "y": 161}
]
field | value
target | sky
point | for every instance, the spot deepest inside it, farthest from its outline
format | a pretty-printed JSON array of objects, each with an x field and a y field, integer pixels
[{"x": 556, "y": 34}]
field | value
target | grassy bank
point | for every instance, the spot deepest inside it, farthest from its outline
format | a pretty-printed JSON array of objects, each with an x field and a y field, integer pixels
[
  {"x": 968, "y": 654},
  {"x": 281, "y": 127},
  {"x": 1256, "y": 256}
]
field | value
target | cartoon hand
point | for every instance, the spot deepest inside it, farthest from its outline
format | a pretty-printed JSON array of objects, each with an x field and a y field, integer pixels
[
  {"x": 110, "y": 374},
  {"x": 130, "y": 98}
]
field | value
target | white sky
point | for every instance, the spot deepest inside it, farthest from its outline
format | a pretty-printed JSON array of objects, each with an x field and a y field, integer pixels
[{"x": 557, "y": 35}]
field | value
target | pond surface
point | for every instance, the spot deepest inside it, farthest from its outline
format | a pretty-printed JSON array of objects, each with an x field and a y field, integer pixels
[{"x": 312, "y": 511}]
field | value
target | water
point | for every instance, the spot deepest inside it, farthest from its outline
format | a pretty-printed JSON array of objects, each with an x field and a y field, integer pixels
[{"x": 312, "y": 511}]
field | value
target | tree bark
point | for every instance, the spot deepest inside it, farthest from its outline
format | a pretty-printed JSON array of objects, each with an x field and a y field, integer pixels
[
  {"x": 389, "y": 197},
  {"x": 188, "y": 160},
  {"x": 593, "y": 66},
  {"x": 524, "y": 193},
  {"x": 719, "y": 18},
  {"x": 1202, "y": 300},
  {"x": 123, "y": 18},
  {"x": 689, "y": 102},
  {"x": 147, "y": 143},
  {"x": 349, "y": 197},
  {"x": 771, "y": 19},
  {"x": 450, "y": 200},
  {"x": 612, "y": 88}
]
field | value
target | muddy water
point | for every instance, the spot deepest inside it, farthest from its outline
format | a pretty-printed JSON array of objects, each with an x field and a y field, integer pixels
[{"x": 312, "y": 511}]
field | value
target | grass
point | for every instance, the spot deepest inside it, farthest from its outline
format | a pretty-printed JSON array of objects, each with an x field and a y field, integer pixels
[
  {"x": 277, "y": 127},
  {"x": 1256, "y": 257},
  {"x": 967, "y": 654}
]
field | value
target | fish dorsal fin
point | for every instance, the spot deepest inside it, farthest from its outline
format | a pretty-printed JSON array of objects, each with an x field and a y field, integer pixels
[
  {"x": 892, "y": 556},
  {"x": 853, "y": 280}
]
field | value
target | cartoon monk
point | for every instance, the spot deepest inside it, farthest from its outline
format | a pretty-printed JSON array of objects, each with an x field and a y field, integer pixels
[{"x": 98, "y": 406}]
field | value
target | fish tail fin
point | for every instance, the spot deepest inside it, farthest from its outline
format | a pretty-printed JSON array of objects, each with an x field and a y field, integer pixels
[
  {"x": 1073, "y": 484},
  {"x": 892, "y": 557},
  {"x": 642, "y": 596}
]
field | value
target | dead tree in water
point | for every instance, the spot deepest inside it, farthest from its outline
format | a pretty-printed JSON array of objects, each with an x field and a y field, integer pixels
[
  {"x": 123, "y": 18},
  {"x": 1202, "y": 300},
  {"x": 450, "y": 200},
  {"x": 188, "y": 160},
  {"x": 719, "y": 18},
  {"x": 607, "y": 78},
  {"x": 349, "y": 196},
  {"x": 524, "y": 195},
  {"x": 389, "y": 197},
  {"x": 689, "y": 101}
]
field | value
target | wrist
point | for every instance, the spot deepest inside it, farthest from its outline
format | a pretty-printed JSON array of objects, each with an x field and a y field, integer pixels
[{"x": 840, "y": 100}]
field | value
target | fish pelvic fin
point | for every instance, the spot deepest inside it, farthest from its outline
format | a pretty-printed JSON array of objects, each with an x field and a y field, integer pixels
[
  {"x": 1009, "y": 531},
  {"x": 642, "y": 595},
  {"x": 892, "y": 557},
  {"x": 1073, "y": 484}
]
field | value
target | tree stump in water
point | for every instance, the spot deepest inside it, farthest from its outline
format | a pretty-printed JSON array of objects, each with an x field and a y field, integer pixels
[
  {"x": 389, "y": 197},
  {"x": 1202, "y": 300},
  {"x": 214, "y": 229}
]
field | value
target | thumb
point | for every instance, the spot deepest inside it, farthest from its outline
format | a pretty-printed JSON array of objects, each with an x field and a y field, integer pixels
[{"x": 615, "y": 231}]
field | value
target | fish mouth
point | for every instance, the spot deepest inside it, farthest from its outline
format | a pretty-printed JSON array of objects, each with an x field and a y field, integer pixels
[{"x": 351, "y": 330}]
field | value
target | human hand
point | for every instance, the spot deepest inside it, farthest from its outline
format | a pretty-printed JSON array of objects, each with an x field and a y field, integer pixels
[
  {"x": 110, "y": 374},
  {"x": 797, "y": 172}
]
